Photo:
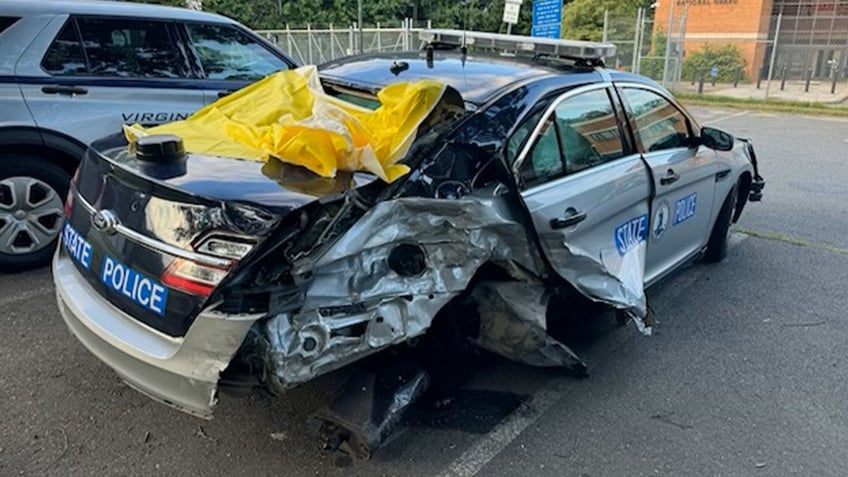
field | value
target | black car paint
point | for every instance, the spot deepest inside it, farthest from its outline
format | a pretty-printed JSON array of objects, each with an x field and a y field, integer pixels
[{"x": 302, "y": 216}]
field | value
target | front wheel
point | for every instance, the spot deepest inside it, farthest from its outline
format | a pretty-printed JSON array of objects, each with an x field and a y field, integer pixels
[
  {"x": 32, "y": 194},
  {"x": 717, "y": 245}
]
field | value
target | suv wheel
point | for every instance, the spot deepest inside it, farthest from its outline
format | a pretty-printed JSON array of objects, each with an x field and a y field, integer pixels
[{"x": 32, "y": 194}]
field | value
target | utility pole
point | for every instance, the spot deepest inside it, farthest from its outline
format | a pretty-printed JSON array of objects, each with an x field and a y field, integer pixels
[
  {"x": 359, "y": 24},
  {"x": 668, "y": 40},
  {"x": 635, "y": 66},
  {"x": 773, "y": 52}
]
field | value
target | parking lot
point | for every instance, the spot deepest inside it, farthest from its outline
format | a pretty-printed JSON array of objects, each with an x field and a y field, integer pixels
[{"x": 746, "y": 373}]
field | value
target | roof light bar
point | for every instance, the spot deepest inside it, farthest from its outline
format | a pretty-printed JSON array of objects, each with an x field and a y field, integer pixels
[{"x": 573, "y": 49}]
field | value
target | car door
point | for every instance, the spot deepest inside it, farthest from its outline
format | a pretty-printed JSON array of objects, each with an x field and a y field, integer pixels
[
  {"x": 230, "y": 57},
  {"x": 101, "y": 72},
  {"x": 588, "y": 196},
  {"x": 684, "y": 178}
]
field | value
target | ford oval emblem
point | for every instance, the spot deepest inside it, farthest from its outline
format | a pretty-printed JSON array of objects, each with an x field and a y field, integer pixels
[{"x": 105, "y": 221}]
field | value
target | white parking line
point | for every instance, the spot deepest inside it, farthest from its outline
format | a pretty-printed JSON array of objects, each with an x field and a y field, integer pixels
[
  {"x": 472, "y": 461},
  {"x": 23, "y": 296},
  {"x": 484, "y": 450},
  {"x": 725, "y": 118}
]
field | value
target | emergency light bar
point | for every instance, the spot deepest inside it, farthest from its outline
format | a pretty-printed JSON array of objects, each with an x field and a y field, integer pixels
[{"x": 589, "y": 51}]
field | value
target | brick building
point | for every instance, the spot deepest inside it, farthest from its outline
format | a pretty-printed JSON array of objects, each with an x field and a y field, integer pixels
[{"x": 813, "y": 34}]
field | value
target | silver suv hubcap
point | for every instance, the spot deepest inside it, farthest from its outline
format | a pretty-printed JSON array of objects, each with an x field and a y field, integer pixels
[{"x": 30, "y": 215}]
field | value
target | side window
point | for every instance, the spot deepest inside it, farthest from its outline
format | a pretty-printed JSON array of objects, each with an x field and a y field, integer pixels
[
  {"x": 520, "y": 135},
  {"x": 545, "y": 160},
  {"x": 658, "y": 124},
  {"x": 65, "y": 56},
  {"x": 227, "y": 53},
  {"x": 130, "y": 48},
  {"x": 581, "y": 133},
  {"x": 588, "y": 131}
]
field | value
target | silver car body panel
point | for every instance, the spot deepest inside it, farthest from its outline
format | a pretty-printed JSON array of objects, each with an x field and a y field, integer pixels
[{"x": 181, "y": 372}]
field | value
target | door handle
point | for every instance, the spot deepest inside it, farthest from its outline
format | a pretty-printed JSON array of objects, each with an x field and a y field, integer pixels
[
  {"x": 572, "y": 217},
  {"x": 63, "y": 89},
  {"x": 228, "y": 92},
  {"x": 670, "y": 177}
]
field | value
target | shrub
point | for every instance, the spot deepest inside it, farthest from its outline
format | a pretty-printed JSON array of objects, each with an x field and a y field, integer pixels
[{"x": 726, "y": 57}]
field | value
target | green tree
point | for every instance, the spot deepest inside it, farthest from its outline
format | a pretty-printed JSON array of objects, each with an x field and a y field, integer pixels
[
  {"x": 584, "y": 19},
  {"x": 481, "y": 15}
]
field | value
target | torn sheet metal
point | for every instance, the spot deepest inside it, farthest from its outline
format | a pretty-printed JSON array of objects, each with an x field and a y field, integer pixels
[
  {"x": 611, "y": 278},
  {"x": 513, "y": 325},
  {"x": 356, "y": 304}
]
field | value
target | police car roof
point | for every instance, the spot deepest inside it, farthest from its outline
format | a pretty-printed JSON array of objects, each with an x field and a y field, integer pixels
[
  {"x": 96, "y": 7},
  {"x": 478, "y": 76}
]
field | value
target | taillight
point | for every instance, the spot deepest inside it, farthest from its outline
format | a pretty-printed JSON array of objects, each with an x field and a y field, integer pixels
[
  {"x": 199, "y": 279},
  {"x": 69, "y": 201}
]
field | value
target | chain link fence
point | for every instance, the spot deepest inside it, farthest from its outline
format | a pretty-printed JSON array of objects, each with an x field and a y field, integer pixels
[
  {"x": 311, "y": 46},
  {"x": 802, "y": 56}
]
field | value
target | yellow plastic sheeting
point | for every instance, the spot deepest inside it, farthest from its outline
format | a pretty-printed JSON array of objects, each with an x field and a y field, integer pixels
[{"x": 289, "y": 116}]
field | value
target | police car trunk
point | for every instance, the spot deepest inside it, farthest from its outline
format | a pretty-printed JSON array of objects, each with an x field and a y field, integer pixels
[{"x": 156, "y": 237}]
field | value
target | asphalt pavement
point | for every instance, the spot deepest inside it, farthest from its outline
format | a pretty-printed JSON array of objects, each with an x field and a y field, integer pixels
[{"x": 745, "y": 375}]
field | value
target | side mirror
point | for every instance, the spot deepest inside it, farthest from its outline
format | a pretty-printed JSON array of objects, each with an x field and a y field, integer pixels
[{"x": 716, "y": 139}]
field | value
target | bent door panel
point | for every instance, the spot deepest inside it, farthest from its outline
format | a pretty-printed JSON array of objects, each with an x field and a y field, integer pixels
[
  {"x": 684, "y": 180},
  {"x": 587, "y": 196}
]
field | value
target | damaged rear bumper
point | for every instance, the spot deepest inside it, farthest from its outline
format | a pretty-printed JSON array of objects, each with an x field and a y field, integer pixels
[{"x": 180, "y": 372}]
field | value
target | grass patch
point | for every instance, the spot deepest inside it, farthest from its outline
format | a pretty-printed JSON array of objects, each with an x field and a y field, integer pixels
[
  {"x": 775, "y": 105},
  {"x": 791, "y": 240}
]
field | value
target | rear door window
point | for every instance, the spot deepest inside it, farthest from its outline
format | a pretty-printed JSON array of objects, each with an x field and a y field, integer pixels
[
  {"x": 582, "y": 132},
  {"x": 227, "y": 53},
  {"x": 125, "y": 48},
  {"x": 65, "y": 56},
  {"x": 588, "y": 131}
]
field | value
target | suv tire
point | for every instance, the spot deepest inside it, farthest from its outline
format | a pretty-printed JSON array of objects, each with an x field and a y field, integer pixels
[
  {"x": 717, "y": 245},
  {"x": 32, "y": 194}
]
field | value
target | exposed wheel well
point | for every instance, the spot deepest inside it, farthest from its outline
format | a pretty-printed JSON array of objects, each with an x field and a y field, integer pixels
[
  {"x": 743, "y": 191},
  {"x": 66, "y": 161}
]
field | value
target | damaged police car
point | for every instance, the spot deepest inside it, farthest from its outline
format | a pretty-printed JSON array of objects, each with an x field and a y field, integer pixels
[{"x": 538, "y": 174}]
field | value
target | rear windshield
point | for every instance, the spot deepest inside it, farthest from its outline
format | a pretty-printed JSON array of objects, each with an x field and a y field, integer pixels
[
  {"x": 360, "y": 98},
  {"x": 6, "y": 22}
]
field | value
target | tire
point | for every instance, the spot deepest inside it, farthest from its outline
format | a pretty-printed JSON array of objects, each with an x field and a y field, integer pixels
[
  {"x": 32, "y": 197},
  {"x": 717, "y": 245}
]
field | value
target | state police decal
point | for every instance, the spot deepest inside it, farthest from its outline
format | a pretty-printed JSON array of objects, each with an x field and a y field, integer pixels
[
  {"x": 684, "y": 209},
  {"x": 630, "y": 234},
  {"x": 660, "y": 223}
]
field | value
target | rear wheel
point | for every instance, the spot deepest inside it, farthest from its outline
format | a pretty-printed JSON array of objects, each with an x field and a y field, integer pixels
[
  {"x": 717, "y": 245},
  {"x": 32, "y": 194}
]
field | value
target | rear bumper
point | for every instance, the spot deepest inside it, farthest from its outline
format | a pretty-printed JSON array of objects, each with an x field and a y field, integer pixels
[{"x": 181, "y": 372}]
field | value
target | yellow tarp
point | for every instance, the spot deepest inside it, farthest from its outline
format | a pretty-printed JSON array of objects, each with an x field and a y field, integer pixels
[{"x": 289, "y": 116}]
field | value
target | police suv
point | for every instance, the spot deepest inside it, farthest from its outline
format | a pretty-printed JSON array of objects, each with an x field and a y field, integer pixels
[
  {"x": 75, "y": 71},
  {"x": 538, "y": 174}
]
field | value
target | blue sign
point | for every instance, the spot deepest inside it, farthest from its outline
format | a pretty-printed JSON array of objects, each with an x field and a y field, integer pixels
[
  {"x": 545, "y": 31},
  {"x": 547, "y": 17}
]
